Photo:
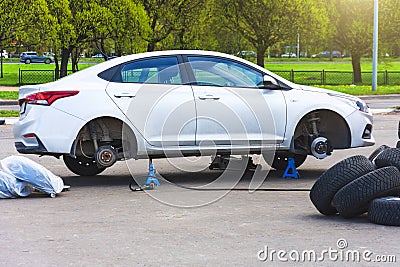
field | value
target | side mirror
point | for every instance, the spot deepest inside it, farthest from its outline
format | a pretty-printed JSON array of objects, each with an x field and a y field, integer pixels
[{"x": 270, "y": 83}]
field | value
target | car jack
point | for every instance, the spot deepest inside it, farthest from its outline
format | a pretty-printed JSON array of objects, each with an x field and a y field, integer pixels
[
  {"x": 291, "y": 170},
  {"x": 151, "y": 181}
]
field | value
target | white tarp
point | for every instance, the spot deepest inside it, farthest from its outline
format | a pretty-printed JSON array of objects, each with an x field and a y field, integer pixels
[
  {"x": 11, "y": 187},
  {"x": 27, "y": 173}
]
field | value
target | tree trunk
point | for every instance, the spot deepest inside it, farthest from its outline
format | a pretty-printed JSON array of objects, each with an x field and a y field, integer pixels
[
  {"x": 355, "y": 61},
  {"x": 260, "y": 56},
  {"x": 151, "y": 46},
  {"x": 57, "y": 69},
  {"x": 65, "y": 52},
  {"x": 75, "y": 59}
]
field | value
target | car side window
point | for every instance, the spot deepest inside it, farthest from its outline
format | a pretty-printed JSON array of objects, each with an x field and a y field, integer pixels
[
  {"x": 224, "y": 72},
  {"x": 163, "y": 70}
]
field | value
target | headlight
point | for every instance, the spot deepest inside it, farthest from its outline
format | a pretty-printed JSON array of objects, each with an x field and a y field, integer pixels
[{"x": 356, "y": 103}]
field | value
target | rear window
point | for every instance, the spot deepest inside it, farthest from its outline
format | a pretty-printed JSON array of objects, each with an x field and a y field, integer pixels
[{"x": 164, "y": 70}]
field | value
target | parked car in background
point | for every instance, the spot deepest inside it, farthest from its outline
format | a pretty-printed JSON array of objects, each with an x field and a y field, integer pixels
[
  {"x": 246, "y": 54},
  {"x": 289, "y": 55},
  {"x": 33, "y": 57},
  {"x": 327, "y": 54},
  {"x": 4, "y": 54},
  {"x": 184, "y": 103},
  {"x": 98, "y": 56}
]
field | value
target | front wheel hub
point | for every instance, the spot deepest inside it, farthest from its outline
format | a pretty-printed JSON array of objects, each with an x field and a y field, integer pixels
[{"x": 320, "y": 147}]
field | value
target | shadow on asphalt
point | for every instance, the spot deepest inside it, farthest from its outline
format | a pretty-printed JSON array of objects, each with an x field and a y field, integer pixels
[{"x": 274, "y": 178}]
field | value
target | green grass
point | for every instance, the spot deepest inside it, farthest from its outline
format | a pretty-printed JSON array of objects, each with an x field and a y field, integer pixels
[
  {"x": 10, "y": 71},
  {"x": 336, "y": 65},
  {"x": 9, "y": 95},
  {"x": 364, "y": 90},
  {"x": 9, "y": 113}
]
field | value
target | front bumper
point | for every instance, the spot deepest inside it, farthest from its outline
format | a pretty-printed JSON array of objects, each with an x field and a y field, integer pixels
[{"x": 360, "y": 124}]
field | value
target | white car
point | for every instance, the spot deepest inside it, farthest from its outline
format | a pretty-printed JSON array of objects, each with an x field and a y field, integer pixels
[
  {"x": 184, "y": 103},
  {"x": 4, "y": 54}
]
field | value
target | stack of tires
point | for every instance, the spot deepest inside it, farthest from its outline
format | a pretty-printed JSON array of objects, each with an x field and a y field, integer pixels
[{"x": 358, "y": 184}]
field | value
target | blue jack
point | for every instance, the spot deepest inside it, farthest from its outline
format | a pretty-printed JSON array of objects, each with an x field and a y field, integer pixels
[
  {"x": 151, "y": 175},
  {"x": 291, "y": 170},
  {"x": 151, "y": 180}
]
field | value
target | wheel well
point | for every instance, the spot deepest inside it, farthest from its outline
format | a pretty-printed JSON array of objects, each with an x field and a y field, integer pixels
[
  {"x": 329, "y": 124},
  {"x": 106, "y": 131}
]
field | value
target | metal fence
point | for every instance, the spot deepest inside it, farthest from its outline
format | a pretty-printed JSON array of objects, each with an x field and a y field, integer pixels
[
  {"x": 338, "y": 77},
  {"x": 37, "y": 76},
  {"x": 301, "y": 77}
]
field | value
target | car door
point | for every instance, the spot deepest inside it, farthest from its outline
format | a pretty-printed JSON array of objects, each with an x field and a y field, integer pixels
[
  {"x": 151, "y": 93},
  {"x": 231, "y": 108}
]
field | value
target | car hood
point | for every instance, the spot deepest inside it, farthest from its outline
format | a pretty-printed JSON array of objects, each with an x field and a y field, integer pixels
[{"x": 330, "y": 92}]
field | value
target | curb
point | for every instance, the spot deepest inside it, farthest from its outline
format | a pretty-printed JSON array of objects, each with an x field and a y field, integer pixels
[
  {"x": 378, "y": 96},
  {"x": 8, "y": 121},
  {"x": 8, "y": 102}
]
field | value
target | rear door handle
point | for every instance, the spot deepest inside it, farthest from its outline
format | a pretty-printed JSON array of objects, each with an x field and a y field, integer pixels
[
  {"x": 209, "y": 96},
  {"x": 124, "y": 94}
]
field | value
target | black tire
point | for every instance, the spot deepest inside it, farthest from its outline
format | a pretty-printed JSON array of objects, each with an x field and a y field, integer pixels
[
  {"x": 280, "y": 161},
  {"x": 27, "y": 61},
  {"x": 82, "y": 166},
  {"x": 354, "y": 198},
  {"x": 389, "y": 157},
  {"x": 398, "y": 144},
  {"x": 398, "y": 131},
  {"x": 376, "y": 152},
  {"x": 332, "y": 180},
  {"x": 385, "y": 211},
  {"x": 47, "y": 61}
]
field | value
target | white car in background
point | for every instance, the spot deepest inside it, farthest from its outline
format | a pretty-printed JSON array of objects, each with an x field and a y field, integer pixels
[
  {"x": 184, "y": 103},
  {"x": 4, "y": 54}
]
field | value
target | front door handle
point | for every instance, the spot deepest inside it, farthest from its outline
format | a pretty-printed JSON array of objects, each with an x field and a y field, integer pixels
[
  {"x": 124, "y": 94},
  {"x": 209, "y": 96}
]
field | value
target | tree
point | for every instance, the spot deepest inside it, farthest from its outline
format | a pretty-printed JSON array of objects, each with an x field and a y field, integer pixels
[
  {"x": 389, "y": 22},
  {"x": 354, "y": 30},
  {"x": 265, "y": 23},
  {"x": 122, "y": 21},
  {"x": 166, "y": 16},
  {"x": 32, "y": 29}
]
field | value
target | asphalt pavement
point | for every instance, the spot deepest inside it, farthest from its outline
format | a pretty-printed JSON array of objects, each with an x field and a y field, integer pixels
[{"x": 100, "y": 222}]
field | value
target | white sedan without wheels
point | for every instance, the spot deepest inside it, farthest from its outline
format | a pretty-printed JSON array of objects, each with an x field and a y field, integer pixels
[{"x": 184, "y": 103}]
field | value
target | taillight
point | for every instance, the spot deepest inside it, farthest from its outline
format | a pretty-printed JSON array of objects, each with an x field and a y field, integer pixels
[{"x": 48, "y": 98}]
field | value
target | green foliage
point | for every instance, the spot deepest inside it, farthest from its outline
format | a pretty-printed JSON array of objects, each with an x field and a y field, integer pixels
[
  {"x": 10, "y": 95},
  {"x": 9, "y": 113},
  {"x": 364, "y": 90},
  {"x": 132, "y": 26}
]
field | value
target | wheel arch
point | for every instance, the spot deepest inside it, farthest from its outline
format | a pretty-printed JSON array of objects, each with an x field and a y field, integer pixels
[
  {"x": 110, "y": 130},
  {"x": 332, "y": 125}
]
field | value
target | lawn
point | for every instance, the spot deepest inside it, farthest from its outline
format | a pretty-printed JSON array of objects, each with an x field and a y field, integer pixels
[
  {"x": 335, "y": 65},
  {"x": 9, "y": 95},
  {"x": 8, "y": 113},
  {"x": 11, "y": 71}
]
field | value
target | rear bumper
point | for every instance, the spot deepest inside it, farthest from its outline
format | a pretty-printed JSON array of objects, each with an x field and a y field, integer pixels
[
  {"x": 36, "y": 149},
  {"x": 35, "y": 134}
]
